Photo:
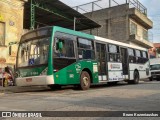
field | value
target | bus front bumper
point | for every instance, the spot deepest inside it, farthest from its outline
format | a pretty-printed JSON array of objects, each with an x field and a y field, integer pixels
[{"x": 35, "y": 80}]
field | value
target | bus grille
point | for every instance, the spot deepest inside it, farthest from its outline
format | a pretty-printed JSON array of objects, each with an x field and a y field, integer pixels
[{"x": 154, "y": 73}]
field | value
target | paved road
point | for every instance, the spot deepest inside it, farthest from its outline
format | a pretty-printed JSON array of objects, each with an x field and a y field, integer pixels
[{"x": 122, "y": 97}]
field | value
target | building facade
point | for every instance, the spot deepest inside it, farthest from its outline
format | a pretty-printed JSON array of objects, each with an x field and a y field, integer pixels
[
  {"x": 122, "y": 23},
  {"x": 155, "y": 51},
  {"x": 11, "y": 29}
]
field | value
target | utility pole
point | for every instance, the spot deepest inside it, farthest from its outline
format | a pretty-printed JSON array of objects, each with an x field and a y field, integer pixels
[{"x": 74, "y": 23}]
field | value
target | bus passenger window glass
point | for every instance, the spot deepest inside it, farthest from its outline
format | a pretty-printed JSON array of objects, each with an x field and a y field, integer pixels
[
  {"x": 111, "y": 57},
  {"x": 98, "y": 51},
  {"x": 103, "y": 52},
  {"x": 144, "y": 54},
  {"x": 64, "y": 48},
  {"x": 131, "y": 52},
  {"x": 114, "y": 54},
  {"x": 138, "y": 53},
  {"x": 113, "y": 48},
  {"x": 84, "y": 43},
  {"x": 118, "y": 58},
  {"x": 132, "y": 58},
  {"x": 85, "y": 49}
]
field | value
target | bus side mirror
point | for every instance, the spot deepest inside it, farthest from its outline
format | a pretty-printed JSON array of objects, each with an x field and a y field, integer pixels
[{"x": 60, "y": 45}]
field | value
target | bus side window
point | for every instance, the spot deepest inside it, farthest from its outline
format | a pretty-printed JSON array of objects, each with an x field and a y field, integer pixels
[
  {"x": 138, "y": 56},
  {"x": 145, "y": 56},
  {"x": 131, "y": 53},
  {"x": 85, "y": 49},
  {"x": 65, "y": 48},
  {"x": 114, "y": 54}
]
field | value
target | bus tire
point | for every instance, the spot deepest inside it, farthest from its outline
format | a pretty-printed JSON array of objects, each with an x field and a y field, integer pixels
[
  {"x": 85, "y": 80},
  {"x": 136, "y": 77}
]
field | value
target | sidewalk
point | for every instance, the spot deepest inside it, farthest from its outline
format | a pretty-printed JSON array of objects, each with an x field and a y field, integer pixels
[{"x": 16, "y": 89}]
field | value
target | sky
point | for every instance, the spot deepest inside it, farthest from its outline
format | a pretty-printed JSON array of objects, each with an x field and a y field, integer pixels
[{"x": 153, "y": 12}]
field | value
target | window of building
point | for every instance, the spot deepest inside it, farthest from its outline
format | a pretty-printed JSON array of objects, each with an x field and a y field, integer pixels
[
  {"x": 2, "y": 34},
  {"x": 133, "y": 28},
  {"x": 145, "y": 34}
]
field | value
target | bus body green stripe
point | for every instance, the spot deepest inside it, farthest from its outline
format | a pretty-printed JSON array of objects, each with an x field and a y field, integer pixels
[
  {"x": 60, "y": 29},
  {"x": 72, "y": 32}
]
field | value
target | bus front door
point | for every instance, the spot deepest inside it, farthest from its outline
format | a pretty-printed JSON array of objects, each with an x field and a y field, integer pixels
[{"x": 124, "y": 58}]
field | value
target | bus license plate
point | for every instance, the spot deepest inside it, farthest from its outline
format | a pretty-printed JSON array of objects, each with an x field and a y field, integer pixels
[{"x": 28, "y": 79}]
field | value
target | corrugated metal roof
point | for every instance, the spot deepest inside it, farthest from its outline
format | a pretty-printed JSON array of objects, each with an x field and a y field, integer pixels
[{"x": 61, "y": 15}]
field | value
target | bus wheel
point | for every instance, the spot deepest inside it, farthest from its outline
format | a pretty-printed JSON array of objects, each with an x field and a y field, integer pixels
[
  {"x": 85, "y": 80},
  {"x": 136, "y": 78}
]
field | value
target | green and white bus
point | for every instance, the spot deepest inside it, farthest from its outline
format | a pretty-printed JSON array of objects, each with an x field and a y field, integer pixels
[{"x": 56, "y": 56}]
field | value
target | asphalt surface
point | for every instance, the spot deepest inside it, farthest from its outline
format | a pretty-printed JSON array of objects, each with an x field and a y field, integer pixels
[{"x": 144, "y": 96}]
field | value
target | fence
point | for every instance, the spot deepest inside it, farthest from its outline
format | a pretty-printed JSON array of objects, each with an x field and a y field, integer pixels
[{"x": 102, "y": 4}]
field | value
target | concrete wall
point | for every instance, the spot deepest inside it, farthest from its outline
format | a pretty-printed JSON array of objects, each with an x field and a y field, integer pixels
[
  {"x": 11, "y": 13},
  {"x": 114, "y": 22},
  {"x": 140, "y": 29}
]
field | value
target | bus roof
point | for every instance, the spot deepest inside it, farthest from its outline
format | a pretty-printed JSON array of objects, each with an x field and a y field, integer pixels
[
  {"x": 78, "y": 33},
  {"x": 88, "y": 36},
  {"x": 119, "y": 43}
]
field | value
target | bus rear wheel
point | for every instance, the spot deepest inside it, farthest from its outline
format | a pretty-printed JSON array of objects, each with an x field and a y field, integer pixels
[
  {"x": 85, "y": 80},
  {"x": 136, "y": 78}
]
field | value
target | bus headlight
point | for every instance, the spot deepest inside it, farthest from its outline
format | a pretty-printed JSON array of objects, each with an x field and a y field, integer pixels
[{"x": 44, "y": 72}]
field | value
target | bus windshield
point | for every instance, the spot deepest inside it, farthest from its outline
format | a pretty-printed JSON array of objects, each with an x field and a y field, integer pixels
[
  {"x": 155, "y": 67},
  {"x": 33, "y": 52},
  {"x": 33, "y": 48}
]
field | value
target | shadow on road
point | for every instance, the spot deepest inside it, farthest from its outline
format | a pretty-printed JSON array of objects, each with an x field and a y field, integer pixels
[{"x": 69, "y": 87}]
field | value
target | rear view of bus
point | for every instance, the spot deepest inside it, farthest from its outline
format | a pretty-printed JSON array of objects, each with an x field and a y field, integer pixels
[{"x": 32, "y": 58}]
